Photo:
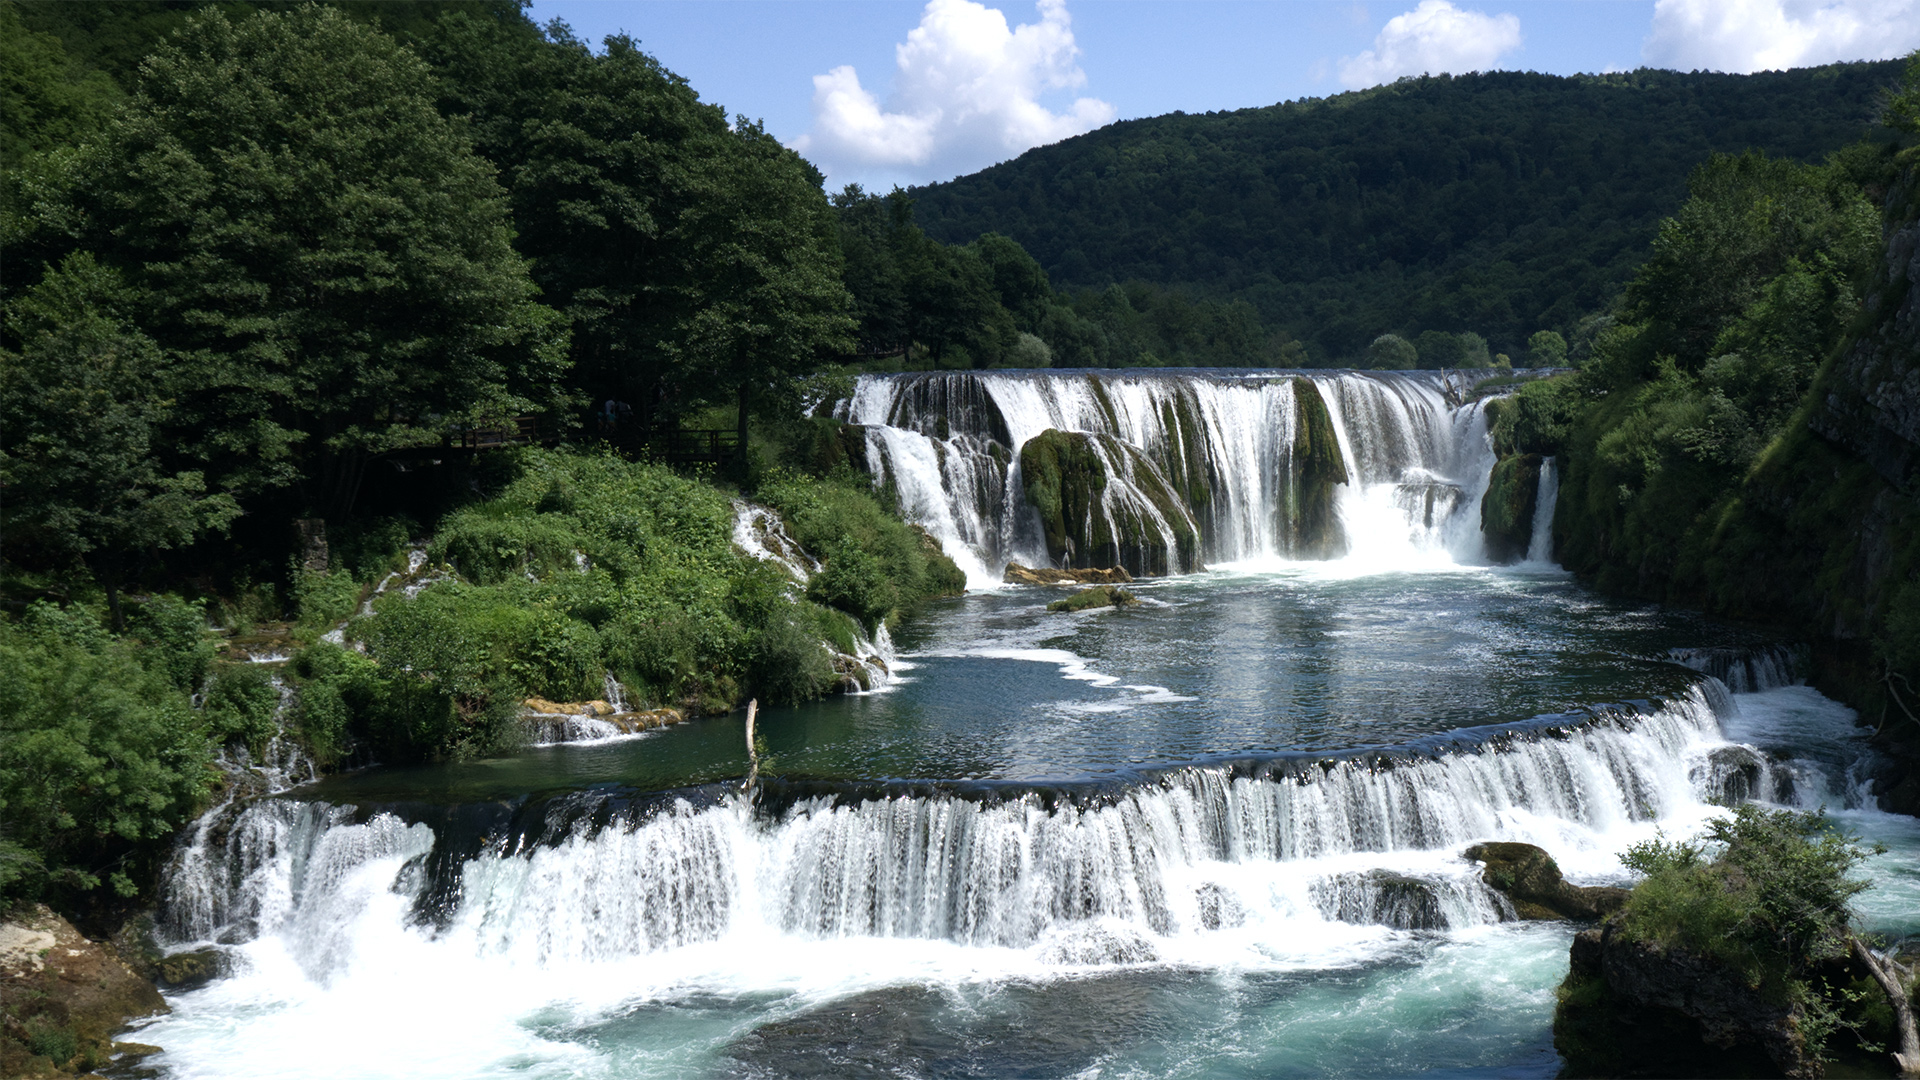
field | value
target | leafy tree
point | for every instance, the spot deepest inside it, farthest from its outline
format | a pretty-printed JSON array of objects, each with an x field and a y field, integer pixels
[
  {"x": 1546, "y": 348},
  {"x": 101, "y": 758},
  {"x": 1391, "y": 352},
  {"x": 318, "y": 253},
  {"x": 84, "y": 404},
  {"x": 48, "y": 98},
  {"x": 1747, "y": 218},
  {"x": 761, "y": 279}
]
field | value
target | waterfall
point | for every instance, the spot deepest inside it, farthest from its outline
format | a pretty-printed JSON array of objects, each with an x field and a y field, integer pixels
[
  {"x": 1093, "y": 877},
  {"x": 1222, "y": 447},
  {"x": 1540, "y": 548}
]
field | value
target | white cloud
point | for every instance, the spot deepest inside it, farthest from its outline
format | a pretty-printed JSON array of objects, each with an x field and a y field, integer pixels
[
  {"x": 1761, "y": 35},
  {"x": 1433, "y": 38},
  {"x": 966, "y": 94}
]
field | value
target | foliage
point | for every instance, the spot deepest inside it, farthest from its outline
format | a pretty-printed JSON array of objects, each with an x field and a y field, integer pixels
[
  {"x": 1772, "y": 901},
  {"x": 84, "y": 406},
  {"x": 48, "y": 98},
  {"x": 239, "y": 705},
  {"x": 842, "y": 516},
  {"x": 101, "y": 756},
  {"x": 317, "y": 253},
  {"x": 1391, "y": 352},
  {"x": 1501, "y": 201}
]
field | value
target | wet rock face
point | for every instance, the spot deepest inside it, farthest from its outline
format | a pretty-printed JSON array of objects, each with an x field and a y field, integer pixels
[
  {"x": 1383, "y": 898},
  {"x": 1315, "y": 468},
  {"x": 1103, "y": 503},
  {"x": 1045, "y": 575},
  {"x": 1506, "y": 510},
  {"x": 1633, "y": 1008},
  {"x": 62, "y": 997},
  {"x": 1530, "y": 880}
]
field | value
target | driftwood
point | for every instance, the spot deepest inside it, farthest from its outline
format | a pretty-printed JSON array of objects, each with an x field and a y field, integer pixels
[
  {"x": 753, "y": 753},
  {"x": 1892, "y": 981}
]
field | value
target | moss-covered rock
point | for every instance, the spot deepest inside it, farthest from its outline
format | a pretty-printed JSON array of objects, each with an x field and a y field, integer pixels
[
  {"x": 62, "y": 996},
  {"x": 1529, "y": 878},
  {"x": 1098, "y": 596},
  {"x": 1045, "y": 575},
  {"x": 1102, "y": 503},
  {"x": 1315, "y": 467},
  {"x": 1507, "y": 509}
]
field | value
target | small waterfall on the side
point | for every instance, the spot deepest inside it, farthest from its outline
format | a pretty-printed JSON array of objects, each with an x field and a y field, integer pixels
[
  {"x": 1540, "y": 548},
  {"x": 1164, "y": 455}
]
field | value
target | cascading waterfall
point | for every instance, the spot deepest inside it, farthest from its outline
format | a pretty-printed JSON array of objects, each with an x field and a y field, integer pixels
[
  {"x": 1106, "y": 877},
  {"x": 1220, "y": 445}
]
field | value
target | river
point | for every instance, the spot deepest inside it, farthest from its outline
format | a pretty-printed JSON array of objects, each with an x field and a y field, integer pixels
[{"x": 1215, "y": 834}]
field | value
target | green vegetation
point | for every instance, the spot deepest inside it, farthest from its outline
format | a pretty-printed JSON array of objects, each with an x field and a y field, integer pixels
[
  {"x": 1499, "y": 203},
  {"x": 1755, "y": 924},
  {"x": 270, "y": 270},
  {"x": 1771, "y": 903},
  {"x": 1316, "y": 467},
  {"x": 102, "y": 755}
]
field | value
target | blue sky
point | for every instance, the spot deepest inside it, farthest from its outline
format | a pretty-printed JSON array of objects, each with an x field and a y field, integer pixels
[{"x": 909, "y": 91}]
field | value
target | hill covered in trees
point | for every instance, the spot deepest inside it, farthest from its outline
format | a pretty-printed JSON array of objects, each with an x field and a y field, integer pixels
[{"x": 1501, "y": 204}]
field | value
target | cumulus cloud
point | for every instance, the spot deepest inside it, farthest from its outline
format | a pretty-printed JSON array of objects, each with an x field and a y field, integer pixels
[
  {"x": 966, "y": 94},
  {"x": 1433, "y": 38},
  {"x": 1761, "y": 35}
]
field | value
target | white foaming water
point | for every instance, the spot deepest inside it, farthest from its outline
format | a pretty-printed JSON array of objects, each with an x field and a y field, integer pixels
[
  {"x": 1540, "y": 548},
  {"x": 1305, "y": 867},
  {"x": 950, "y": 446}
]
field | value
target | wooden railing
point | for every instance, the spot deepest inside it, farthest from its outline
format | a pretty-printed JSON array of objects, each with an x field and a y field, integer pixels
[
  {"x": 682, "y": 446},
  {"x": 518, "y": 431}
]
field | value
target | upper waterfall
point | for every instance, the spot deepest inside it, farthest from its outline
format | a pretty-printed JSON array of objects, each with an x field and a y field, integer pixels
[{"x": 1175, "y": 467}]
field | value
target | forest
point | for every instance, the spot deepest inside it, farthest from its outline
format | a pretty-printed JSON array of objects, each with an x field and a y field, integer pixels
[{"x": 1500, "y": 204}]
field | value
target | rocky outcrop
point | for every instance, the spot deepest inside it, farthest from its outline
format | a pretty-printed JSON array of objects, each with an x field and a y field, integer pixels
[
  {"x": 1636, "y": 1008},
  {"x": 1102, "y": 503},
  {"x": 1314, "y": 468},
  {"x": 1530, "y": 880},
  {"x": 1507, "y": 509},
  {"x": 1046, "y": 575},
  {"x": 62, "y": 997},
  {"x": 562, "y": 721},
  {"x": 1098, "y": 596},
  {"x": 1871, "y": 403}
]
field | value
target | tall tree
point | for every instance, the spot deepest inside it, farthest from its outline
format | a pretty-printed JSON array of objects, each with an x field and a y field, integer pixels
[
  {"x": 82, "y": 405},
  {"x": 322, "y": 258}
]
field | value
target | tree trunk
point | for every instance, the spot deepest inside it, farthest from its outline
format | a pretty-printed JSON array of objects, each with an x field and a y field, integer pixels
[
  {"x": 1888, "y": 975},
  {"x": 106, "y": 567},
  {"x": 740, "y": 451}
]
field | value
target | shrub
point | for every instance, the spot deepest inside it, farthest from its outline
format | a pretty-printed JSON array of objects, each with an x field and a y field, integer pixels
[
  {"x": 1772, "y": 901},
  {"x": 239, "y": 705},
  {"x": 101, "y": 757}
]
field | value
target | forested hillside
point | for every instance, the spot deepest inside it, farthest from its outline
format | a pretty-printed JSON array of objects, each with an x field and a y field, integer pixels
[{"x": 1502, "y": 203}]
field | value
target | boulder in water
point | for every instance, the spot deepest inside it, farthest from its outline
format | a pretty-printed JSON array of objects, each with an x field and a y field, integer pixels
[
  {"x": 1529, "y": 878},
  {"x": 62, "y": 997},
  {"x": 1506, "y": 510},
  {"x": 1046, "y": 575},
  {"x": 1638, "y": 1008},
  {"x": 1381, "y": 898},
  {"x": 1098, "y": 596}
]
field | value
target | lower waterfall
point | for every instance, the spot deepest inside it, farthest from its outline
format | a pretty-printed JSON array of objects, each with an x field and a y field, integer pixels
[{"x": 1162, "y": 858}]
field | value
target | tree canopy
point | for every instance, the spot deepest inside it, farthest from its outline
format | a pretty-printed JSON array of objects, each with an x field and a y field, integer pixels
[{"x": 1500, "y": 203}]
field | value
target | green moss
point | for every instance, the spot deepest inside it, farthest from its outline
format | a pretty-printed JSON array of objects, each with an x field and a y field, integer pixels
[
  {"x": 1065, "y": 475},
  {"x": 1315, "y": 467},
  {"x": 1507, "y": 509},
  {"x": 1098, "y": 596}
]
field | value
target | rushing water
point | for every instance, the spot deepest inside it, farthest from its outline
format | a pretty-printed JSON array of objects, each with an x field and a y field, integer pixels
[{"x": 1218, "y": 834}]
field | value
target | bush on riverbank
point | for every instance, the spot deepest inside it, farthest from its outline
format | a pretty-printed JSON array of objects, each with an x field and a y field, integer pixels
[
  {"x": 102, "y": 755},
  {"x": 586, "y": 565}
]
